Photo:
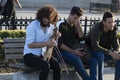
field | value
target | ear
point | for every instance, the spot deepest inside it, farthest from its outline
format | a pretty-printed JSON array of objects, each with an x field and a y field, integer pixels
[{"x": 103, "y": 22}]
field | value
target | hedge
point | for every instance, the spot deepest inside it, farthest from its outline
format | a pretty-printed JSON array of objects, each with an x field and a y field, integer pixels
[{"x": 12, "y": 34}]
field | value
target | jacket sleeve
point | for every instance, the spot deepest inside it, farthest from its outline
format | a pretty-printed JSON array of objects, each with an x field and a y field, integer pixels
[
  {"x": 115, "y": 42},
  {"x": 95, "y": 39}
]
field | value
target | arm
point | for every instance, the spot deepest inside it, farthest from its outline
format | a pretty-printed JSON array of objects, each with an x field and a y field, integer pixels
[
  {"x": 49, "y": 43},
  {"x": 73, "y": 51},
  {"x": 95, "y": 39},
  {"x": 62, "y": 43},
  {"x": 115, "y": 55},
  {"x": 32, "y": 39},
  {"x": 78, "y": 28},
  {"x": 115, "y": 43},
  {"x": 18, "y": 3}
]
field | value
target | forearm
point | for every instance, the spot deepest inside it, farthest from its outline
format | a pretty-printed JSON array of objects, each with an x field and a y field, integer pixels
[
  {"x": 66, "y": 48},
  {"x": 18, "y": 3},
  {"x": 95, "y": 42},
  {"x": 79, "y": 30},
  {"x": 37, "y": 44}
]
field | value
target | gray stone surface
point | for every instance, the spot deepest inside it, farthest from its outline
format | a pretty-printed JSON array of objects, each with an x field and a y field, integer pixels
[
  {"x": 60, "y": 4},
  {"x": 6, "y": 76},
  {"x": 108, "y": 75},
  {"x": 35, "y": 76}
]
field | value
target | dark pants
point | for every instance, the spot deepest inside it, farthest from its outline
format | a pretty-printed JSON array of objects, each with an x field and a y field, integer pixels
[
  {"x": 38, "y": 63},
  {"x": 100, "y": 57}
]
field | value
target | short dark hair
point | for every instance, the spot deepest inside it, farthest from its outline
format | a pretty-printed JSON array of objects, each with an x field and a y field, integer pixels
[
  {"x": 107, "y": 14},
  {"x": 77, "y": 10},
  {"x": 47, "y": 11}
]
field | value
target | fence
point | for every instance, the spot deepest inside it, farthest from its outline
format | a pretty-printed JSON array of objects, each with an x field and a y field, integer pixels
[
  {"x": 86, "y": 23},
  {"x": 21, "y": 23}
]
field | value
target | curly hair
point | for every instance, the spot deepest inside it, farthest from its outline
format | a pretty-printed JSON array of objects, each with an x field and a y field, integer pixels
[{"x": 47, "y": 11}]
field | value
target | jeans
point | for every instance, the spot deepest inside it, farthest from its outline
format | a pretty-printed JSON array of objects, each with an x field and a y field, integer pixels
[
  {"x": 74, "y": 60},
  {"x": 38, "y": 63},
  {"x": 101, "y": 57},
  {"x": 93, "y": 68},
  {"x": 117, "y": 70}
]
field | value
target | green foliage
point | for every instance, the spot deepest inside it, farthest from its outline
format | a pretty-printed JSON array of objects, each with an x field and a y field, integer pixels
[
  {"x": 118, "y": 34},
  {"x": 12, "y": 34},
  {"x": 4, "y": 34}
]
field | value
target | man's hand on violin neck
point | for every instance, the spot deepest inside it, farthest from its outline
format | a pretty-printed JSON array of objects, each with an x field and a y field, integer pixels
[{"x": 51, "y": 43}]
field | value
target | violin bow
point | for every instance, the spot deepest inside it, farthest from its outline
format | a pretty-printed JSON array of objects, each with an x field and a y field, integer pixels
[{"x": 61, "y": 59}]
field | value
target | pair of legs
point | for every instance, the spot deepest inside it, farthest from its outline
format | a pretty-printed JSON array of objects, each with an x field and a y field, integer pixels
[
  {"x": 74, "y": 60},
  {"x": 9, "y": 15},
  {"x": 93, "y": 68},
  {"x": 117, "y": 70},
  {"x": 100, "y": 58},
  {"x": 38, "y": 63}
]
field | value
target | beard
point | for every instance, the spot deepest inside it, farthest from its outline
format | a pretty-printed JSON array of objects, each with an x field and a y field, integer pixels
[{"x": 44, "y": 24}]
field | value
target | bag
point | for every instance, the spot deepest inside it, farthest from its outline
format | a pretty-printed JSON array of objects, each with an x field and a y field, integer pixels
[{"x": 86, "y": 49}]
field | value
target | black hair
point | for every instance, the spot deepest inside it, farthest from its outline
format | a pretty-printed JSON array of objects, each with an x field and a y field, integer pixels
[
  {"x": 107, "y": 15},
  {"x": 77, "y": 10}
]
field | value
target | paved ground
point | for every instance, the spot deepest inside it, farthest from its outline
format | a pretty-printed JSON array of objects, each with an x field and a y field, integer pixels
[
  {"x": 108, "y": 75},
  {"x": 62, "y": 13}
]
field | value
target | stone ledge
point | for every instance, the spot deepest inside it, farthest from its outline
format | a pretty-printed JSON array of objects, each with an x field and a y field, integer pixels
[
  {"x": 35, "y": 76},
  {"x": 6, "y": 76},
  {"x": 108, "y": 74}
]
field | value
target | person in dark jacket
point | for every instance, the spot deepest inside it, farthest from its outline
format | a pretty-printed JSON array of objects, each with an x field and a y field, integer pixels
[
  {"x": 104, "y": 43},
  {"x": 10, "y": 13}
]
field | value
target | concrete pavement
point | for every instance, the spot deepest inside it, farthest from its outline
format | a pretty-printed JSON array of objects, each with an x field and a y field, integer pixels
[
  {"x": 108, "y": 75},
  {"x": 27, "y": 12}
]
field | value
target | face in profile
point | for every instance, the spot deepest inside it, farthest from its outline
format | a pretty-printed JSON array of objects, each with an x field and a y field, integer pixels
[
  {"x": 45, "y": 22},
  {"x": 109, "y": 24},
  {"x": 73, "y": 18}
]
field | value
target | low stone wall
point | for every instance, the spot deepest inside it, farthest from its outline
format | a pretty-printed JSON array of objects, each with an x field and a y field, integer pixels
[{"x": 35, "y": 76}]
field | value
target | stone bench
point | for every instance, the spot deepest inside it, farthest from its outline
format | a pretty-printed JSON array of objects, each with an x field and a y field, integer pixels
[{"x": 35, "y": 76}]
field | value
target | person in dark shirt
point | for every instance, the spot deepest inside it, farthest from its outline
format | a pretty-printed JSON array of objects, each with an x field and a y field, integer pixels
[
  {"x": 10, "y": 13},
  {"x": 71, "y": 31},
  {"x": 103, "y": 41}
]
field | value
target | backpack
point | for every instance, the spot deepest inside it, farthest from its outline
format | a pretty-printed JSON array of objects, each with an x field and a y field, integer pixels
[{"x": 2, "y": 4}]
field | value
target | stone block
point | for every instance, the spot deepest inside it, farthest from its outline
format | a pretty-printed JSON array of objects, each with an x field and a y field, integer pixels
[{"x": 35, "y": 76}]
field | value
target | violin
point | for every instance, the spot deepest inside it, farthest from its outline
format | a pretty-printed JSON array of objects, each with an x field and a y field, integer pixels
[{"x": 48, "y": 53}]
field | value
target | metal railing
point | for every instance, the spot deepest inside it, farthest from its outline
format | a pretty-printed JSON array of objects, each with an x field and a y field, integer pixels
[{"x": 22, "y": 23}]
